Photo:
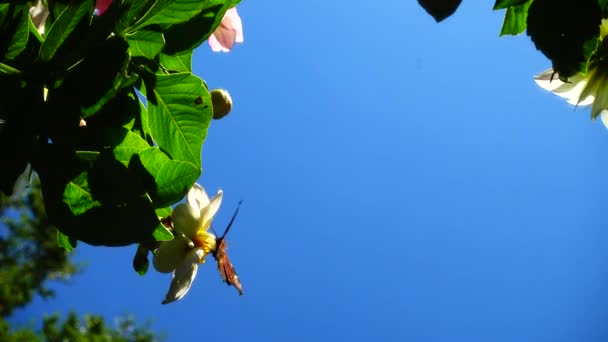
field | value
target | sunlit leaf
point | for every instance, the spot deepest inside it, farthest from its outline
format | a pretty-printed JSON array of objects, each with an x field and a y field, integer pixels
[
  {"x": 500, "y": 4},
  {"x": 172, "y": 178},
  {"x": 161, "y": 233},
  {"x": 63, "y": 241},
  {"x": 179, "y": 114},
  {"x": 178, "y": 63},
  {"x": 77, "y": 195},
  {"x": 515, "y": 19},
  {"x": 145, "y": 43},
  {"x": 131, "y": 143}
]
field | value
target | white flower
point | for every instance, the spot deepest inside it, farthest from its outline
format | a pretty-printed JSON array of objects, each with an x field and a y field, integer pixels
[
  {"x": 580, "y": 90},
  {"x": 192, "y": 242}
]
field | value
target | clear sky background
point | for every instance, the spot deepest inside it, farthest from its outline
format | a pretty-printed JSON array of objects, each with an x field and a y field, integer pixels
[{"x": 402, "y": 181}]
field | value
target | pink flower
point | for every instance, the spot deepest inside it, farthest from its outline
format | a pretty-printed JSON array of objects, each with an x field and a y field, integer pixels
[
  {"x": 101, "y": 6},
  {"x": 229, "y": 32}
]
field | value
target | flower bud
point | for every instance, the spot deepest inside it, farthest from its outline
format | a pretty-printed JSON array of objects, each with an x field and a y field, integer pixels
[{"x": 222, "y": 103}]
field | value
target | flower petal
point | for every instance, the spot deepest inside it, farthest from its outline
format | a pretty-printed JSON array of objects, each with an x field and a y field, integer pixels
[
  {"x": 209, "y": 211},
  {"x": 600, "y": 104},
  {"x": 234, "y": 21},
  {"x": 571, "y": 90},
  {"x": 186, "y": 219},
  {"x": 184, "y": 276},
  {"x": 170, "y": 254},
  {"x": 225, "y": 37},
  {"x": 604, "y": 117},
  {"x": 215, "y": 45},
  {"x": 197, "y": 197},
  {"x": 596, "y": 86},
  {"x": 228, "y": 32}
]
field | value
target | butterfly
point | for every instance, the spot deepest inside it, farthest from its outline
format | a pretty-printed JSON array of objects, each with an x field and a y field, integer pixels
[{"x": 224, "y": 265}]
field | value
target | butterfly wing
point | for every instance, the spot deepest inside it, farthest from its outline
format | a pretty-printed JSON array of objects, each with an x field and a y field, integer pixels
[{"x": 225, "y": 268}]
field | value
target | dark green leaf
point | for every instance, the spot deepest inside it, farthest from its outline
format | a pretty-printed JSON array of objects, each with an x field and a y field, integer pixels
[
  {"x": 63, "y": 26},
  {"x": 603, "y": 4},
  {"x": 19, "y": 30},
  {"x": 145, "y": 43},
  {"x": 560, "y": 30},
  {"x": 179, "y": 63},
  {"x": 92, "y": 84},
  {"x": 515, "y": 19},
  {"x": 182, "y": 38},
  {"x": 440, "y": 9},
  {"x": 119, "y": 111},
  {"x": 140, "y": 260},
  {"x": 100, "y": 205},
  {"x": 179, "y": 114},
  {"x": 170, "y": 12},
  {"x": 500, "y": 4},
  {"x": 17, "y": 135},
  {"x": 131, "y": 11}
]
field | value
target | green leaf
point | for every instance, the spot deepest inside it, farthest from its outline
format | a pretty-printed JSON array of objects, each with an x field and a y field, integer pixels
[
  {"x": 94, "y": 82},
  {"x": 440, "y": 9},
  {"x": 179, "y": 114},
  {"x": 603, "y": 4},
  {"x": 179, "y": 63},
  {"x": 590, "y": 48},
  {"x": 33, "y": 29},
  {"x": 119, "y": 111},
  {"x": 77, "y": 195},
  {"x": 141, "y": 125},
  {"x": 8, "y": 70},
  {"x": 63, "y": 26},
  {"x": 131, "y": 144},
  {"x": 103, "y": 204},
  {"x": 19, "y": 29},
  {"x": 145, "y": 43},
  {"x": 184, "y": 37},
  {"x": 500, "y": 4},
  {"x": 172, "y": 178},
  {"x": 515, "y": 19},
  {"x": 161, "y": 233},
  {"x": 170, "y": 12},
  {"x": 131, "y": 11},
  {"x": 140, "y": 260},
  {"x": 164, "y": 212},
  {"x": 63, "y": 241}
]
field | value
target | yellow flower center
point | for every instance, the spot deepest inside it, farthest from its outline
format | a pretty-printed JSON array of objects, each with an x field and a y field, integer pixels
[{"x": 206, "y": 241}]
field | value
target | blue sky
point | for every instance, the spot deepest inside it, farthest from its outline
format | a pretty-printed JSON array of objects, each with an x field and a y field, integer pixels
[{"x": 402, "y": 181}]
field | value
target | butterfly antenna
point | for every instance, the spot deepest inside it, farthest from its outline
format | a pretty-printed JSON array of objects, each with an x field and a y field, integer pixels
[{"x": 232, "y": 219}]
